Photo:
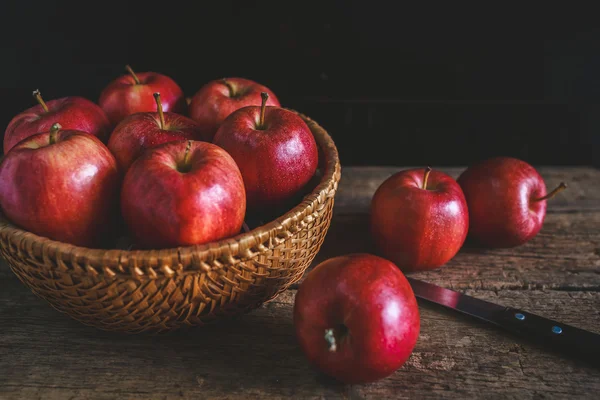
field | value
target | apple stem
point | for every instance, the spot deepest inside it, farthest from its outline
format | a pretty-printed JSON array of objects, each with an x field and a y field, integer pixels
[
  {"x": 53, "y": 132},
  {"x": 229, "y": 86},
  {"x": 159, "y": 107},
  {"x": 135, "y": 78},
  {"x": 263, "y": 107},
  {"x": 426, "y": 177},
  {"x": 561, "y": 186},
  {"x": 330, "y": 339},
  {"x": 186, "y": 156},
  {"x": 38, "y": 97}
]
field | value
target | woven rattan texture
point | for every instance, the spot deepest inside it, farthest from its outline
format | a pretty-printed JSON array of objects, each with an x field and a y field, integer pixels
[{"x": 161, "y": 290}]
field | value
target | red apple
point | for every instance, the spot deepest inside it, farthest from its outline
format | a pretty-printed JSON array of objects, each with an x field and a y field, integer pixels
[
  {"x": 141, "y": 131},
  {"x": 356, "y": 318},
  {"x": 73, "y": 113},
  {"x": 507, "y": 201},
  {"x": 216, "y": 100},
  {"x": 419, "y": 219},
  {"x": 183, "y": 193},
  {"x": 130, "y": 94},
  {"x": 274, "y": 149},
  {"x": 61, "y": 184}
]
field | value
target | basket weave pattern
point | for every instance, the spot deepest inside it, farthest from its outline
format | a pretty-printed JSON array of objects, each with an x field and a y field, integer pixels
[{"x": 161, "y": 290}]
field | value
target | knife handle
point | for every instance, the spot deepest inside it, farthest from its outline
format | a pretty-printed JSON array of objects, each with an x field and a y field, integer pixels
[{"x": 566, "y": 338}]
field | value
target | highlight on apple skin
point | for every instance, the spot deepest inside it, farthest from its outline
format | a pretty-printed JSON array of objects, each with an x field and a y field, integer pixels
[
  {"x": 419, "y": 219},
  {"x": 356, "y": 318},
  {"x": 133, "y": 93},
  {"x": 216, "y": 100},
  {"x": 61, "y": 184},
  {"x": 507, "y": 201},
  {"x": 275, "y": 150},
  {"x": 183, "y": 193},
  {"x": 72, "y": 113},
  {"x": 142, "y": 131}
]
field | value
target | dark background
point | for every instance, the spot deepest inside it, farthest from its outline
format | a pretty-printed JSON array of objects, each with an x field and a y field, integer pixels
[{"x": 393, "y": 84}]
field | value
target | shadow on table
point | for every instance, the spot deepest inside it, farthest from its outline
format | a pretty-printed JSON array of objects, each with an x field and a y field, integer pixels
[
  {"x": 350, "y": 234},
  {"x": 247, "y": 353},
  {"x": 251, "y": 352}
]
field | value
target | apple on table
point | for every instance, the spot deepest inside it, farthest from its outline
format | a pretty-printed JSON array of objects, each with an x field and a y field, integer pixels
[
  {"x": 142, "y": 131},
  {"x": 216, "y": 100},
  {"x": 356, "y": 318},
  {"x": 507, "y": 201},
  {"x": 61, "y": 184},
  {"x": 419, "y": 219},
  {"x": 72, "y": 113},
  {"x": 132, "y": 93}
]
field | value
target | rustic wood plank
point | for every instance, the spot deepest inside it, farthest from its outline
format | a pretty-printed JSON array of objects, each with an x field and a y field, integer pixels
[
  {"x": 47, "y": 355},
  {"x": 359, "y": 183},
  {"x": 565, "y": 255}
]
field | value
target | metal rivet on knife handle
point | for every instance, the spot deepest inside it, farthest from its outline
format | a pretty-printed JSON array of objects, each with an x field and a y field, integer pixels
[{"x": 557, "y": 330}]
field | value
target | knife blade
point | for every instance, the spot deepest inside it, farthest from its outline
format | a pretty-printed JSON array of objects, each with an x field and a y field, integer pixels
[{"x": 569, "y": 340}]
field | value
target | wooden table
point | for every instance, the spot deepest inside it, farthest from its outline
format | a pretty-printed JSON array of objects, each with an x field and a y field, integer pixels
[{"x": 46, "y": 355}]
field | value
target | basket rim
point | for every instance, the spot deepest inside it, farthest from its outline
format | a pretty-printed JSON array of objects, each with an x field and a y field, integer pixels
[{"x": 161, "y": 261}]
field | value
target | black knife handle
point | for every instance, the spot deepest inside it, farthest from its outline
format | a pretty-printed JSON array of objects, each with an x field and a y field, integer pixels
[{"x": 559, "y": 336}]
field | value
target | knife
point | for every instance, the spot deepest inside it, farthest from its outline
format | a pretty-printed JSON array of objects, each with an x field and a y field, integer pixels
[{"x": 561, "y": 337}]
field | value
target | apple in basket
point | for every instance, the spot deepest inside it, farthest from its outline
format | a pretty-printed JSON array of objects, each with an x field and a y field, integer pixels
[
  {"x": 419, "y": 219},
  {"x": 132, "y": 93},
  {"x": 141, "y": 131},
  {"x": 216, "y": 100},
  {"x": 76, "y": 113},
  {"x": 275, "y": 150},
  {"x": 61, "y": 184},
  {"x": 507, "y": 201},
  {"x": 183, "y": 193},
  {"x": 356, "y": 318}
]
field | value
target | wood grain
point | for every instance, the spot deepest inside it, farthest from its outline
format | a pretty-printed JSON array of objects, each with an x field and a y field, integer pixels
[
  {"x": 565, "y": 255},
  {"x": 46, "y": 355},
  {"x": 359, "y": 183}
]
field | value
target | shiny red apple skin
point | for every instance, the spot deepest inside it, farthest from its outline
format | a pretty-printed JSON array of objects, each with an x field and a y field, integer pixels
[
  {"x": 166, "y": 208},
  {"x": 372, "y": 299},
  {"x": 277, "y": 161},
  {"x": 66, "y": 191},
  {"x": 499, "y": 192},
  {"x": 142, "y": 131},
  {"x": 415, "y": 228},
  {"x": 213, "y": 102},
  {"x": 123, "y": 97},
  {"x": 76, "y": 113}
]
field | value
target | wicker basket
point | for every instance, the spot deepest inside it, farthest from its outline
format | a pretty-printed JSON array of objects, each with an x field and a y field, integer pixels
[{"x": 161, "y": 290}]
